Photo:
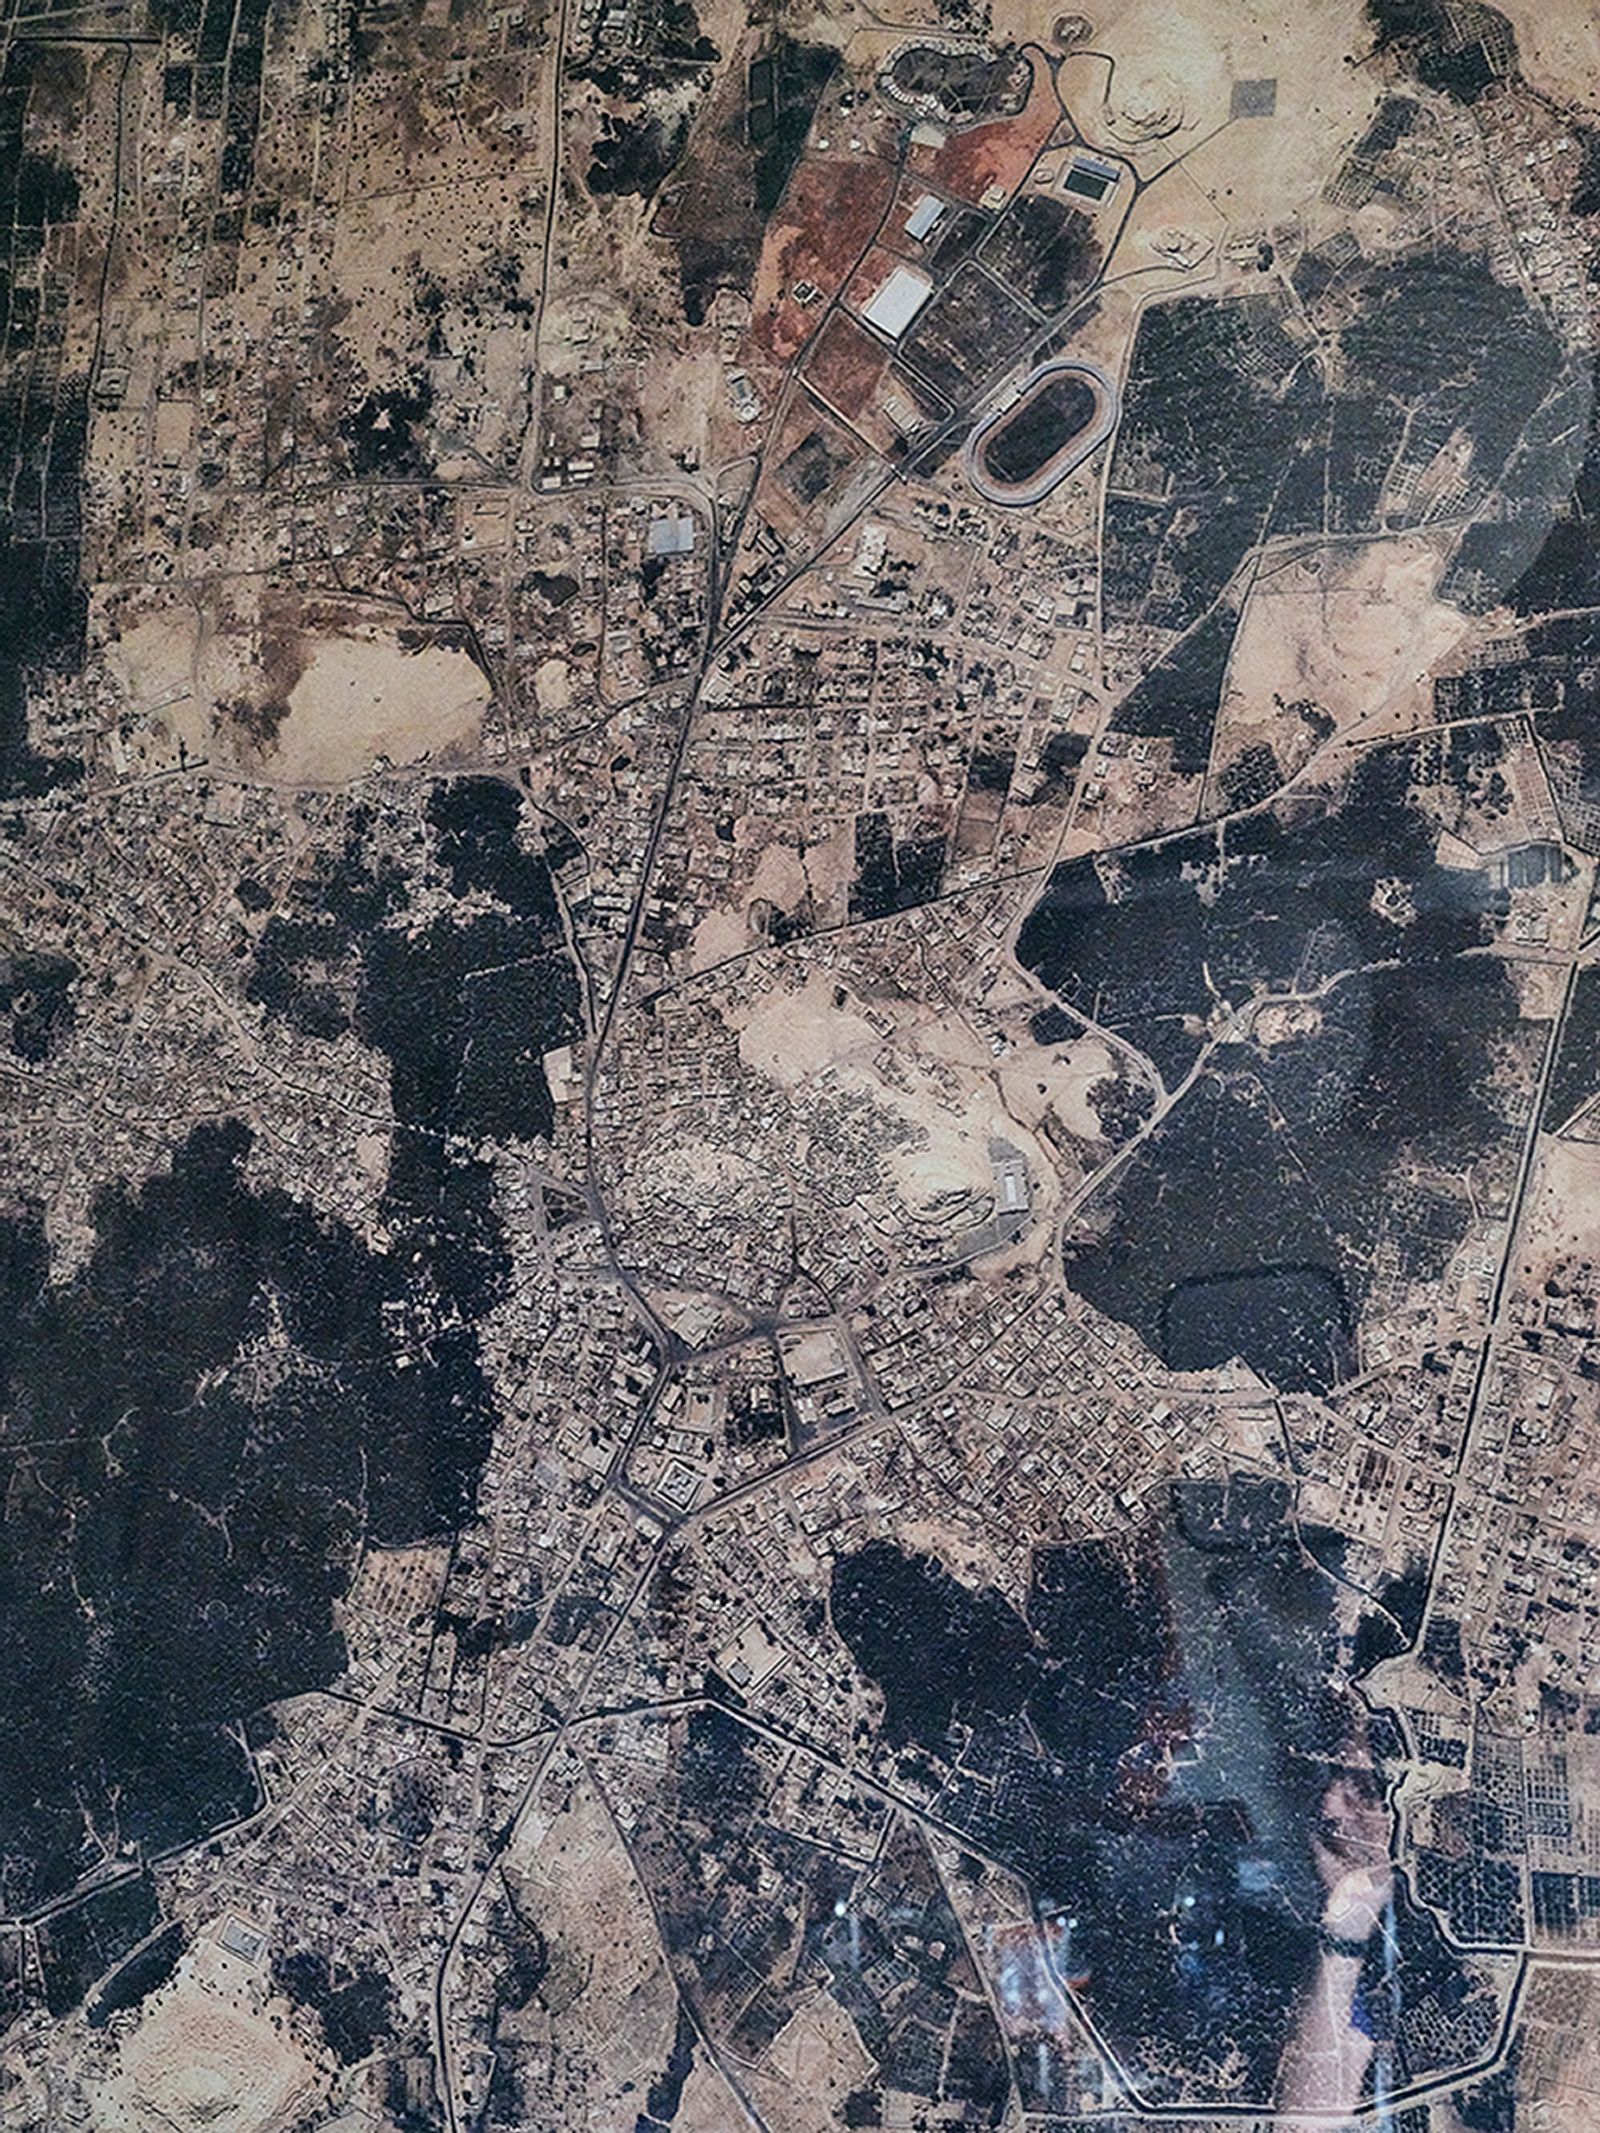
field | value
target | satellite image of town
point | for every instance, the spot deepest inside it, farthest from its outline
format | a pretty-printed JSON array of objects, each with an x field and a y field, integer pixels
[{"x": 799, "y": 1066}]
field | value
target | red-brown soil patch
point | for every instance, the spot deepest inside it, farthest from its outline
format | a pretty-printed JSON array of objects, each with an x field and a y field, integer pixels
[
  {"x": 830, "y": 211},
  {"x": 870, "y": 277},
  {"x": 846, "y": 367},
  {"x": 999, "y": 153}
]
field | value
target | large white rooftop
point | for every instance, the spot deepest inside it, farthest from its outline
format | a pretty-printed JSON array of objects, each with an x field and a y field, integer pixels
[{"x": 898, "y": 301}]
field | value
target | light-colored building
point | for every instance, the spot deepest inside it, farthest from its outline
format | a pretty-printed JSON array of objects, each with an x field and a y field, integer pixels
[
  {"x": 672, "y": 536},
  {"x": 925, "y": 218},
  {"x": 898, "y": 301}
]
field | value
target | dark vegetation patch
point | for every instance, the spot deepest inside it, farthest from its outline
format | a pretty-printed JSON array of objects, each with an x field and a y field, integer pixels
[
  {"x": 36, "y": 1003},
  {"x": 1252, "y": 776},
  {"x": 1062, "y": 408},
  {"x": 1387, "y": 1632},
  {"x": 890, "y": 874},
  {"x": 1044, "y": 249},
  {"x": 1575, "y": 1076},
  {"x": 1460, "y": 352},
  {"x": 666, "y": 2091},
  {"x": 1558, "y": 492},
  {"x": 478, "y": 1636},
  {"x": 1210, "y": 1629},
  {"x": 1059, "y": 762},
  {"x": 1392, "y": 124},
  {"x": 1121, "y": 1104},
  {"x": 524, "y": 1959},
  {"x": 1366, "y": 171},
  {"x": 1292, "y": 1323},
  {"x": 1276, "y": 1173},
  {"x": 83, "y": 1942},
  {"x": 307, "y": 960},
  {"x": 704, "y": 267},
  {"x": 44, "y": 409},
  {"x": 176, "y": 1536},
  {"x": 1460, "y": 47},
  {"x": 355, "y": 2009},
  {"x": 1552, "y": 679},
  {"x": 965, "y": 334},
  {"x": 1208, "y": 431},
  {"x": 224, "y": 84},
  {"x": 411, "y": 2093},
  {"x": 1226, "y": 432},
  {"x": 989, "y": 769},
  {"x": 555, "y": 589},
  {"x": 786, "y": 85},
  {"x": 415, "y": 1799},
  {"x": 757, "y": 1416},
  {"x": 1180, "y": 696},
  {"x": 257, "y": 723},
  {"x": 958, "y": 234},
  {"x": 1586, "y": 191},
  {"x": 386, "y": 434},
  {"x": 1490, "y": 2105},
  {"x": 717, "y": 1775},
  {"x": 464, "y": 1010},
  {"x": 140, "y": 1974},
  {"x": 1441, "y": 1648},
  {"x": 815, "y": 464},
  {"x": 741, "y": 154},
  {"x": 203, "y": 1511},
  {"x": 936, "y": 1649},
  {"x": 576, "y": 1619},
  {"x": 636, "y": 154},
  {"x": 476, "y": 824}
]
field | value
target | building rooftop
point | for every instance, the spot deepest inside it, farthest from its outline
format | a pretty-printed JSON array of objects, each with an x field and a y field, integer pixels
[
  {"x": 671, "y": 536},
  {"x": 925, "y": 217},
  {"x": 898, "y": 301}
]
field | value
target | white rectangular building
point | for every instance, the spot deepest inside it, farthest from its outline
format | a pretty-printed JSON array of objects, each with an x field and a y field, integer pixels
[
  {"x": 925, "y": 218},
  {"x": 898, "y": 301}
]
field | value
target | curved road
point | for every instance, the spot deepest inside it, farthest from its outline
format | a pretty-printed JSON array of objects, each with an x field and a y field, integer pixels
[{"x": 1072, "y": 454}]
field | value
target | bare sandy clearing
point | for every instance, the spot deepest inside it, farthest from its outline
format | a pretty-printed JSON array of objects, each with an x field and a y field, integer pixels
[
  {"x": 608, "y": 1995},
  {"x": 173, "y": 664},
  {"x": 1357, "y": 632},
  {"x": 363, "y": 696},
  {"x": 1566, "y": 1205},
  {"x": 931, "y": 1074},
  {"x": 209, "y": 2052},
  {"x": 1559, "y": 45},
  {"x": 1166, "y": 84}
]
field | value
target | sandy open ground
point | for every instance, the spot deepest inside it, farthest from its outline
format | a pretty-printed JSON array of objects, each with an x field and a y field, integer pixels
[
  {"x": 941, "y": 1084},
  {"x": 618, "y": 2005},
  {"x": 1356, "y": 630},
  {"x": 210, "y": 676},
  {"x": 1156, "y": 79},
  {"x": 210, "y": 2053},
  {"x": 363, "y": 696},
  {"x": 1559, "y": 45}
]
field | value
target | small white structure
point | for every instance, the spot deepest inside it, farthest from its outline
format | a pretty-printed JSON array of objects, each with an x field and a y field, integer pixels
[
  {"x": 898, "y": 301},
  {"x": 671, "y": 536},
  {"x": 925, "y": 218}
]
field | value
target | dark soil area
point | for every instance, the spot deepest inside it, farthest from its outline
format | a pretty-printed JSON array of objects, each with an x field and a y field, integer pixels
[{"x": 1062, "y": 408}]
